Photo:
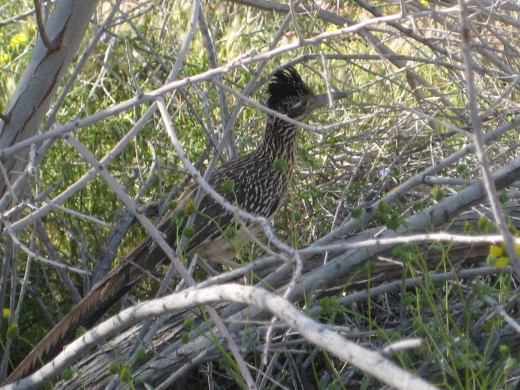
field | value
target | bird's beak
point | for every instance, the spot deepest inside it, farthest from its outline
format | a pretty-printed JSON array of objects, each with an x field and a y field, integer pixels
[{"x": 327, "y": 100}]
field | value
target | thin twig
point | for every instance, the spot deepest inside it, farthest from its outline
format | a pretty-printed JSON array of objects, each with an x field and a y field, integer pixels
[
  {"x": 50, "y": 45},
  {"x": 478, "y": 136}
]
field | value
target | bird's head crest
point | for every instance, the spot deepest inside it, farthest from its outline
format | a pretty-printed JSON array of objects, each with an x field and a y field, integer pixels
[{"x": 285, "y": 88}]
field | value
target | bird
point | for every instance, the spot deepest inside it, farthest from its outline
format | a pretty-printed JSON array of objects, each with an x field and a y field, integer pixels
[{"x": 257, "y": 182}]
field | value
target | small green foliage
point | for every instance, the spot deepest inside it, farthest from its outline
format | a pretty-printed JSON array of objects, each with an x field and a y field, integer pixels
[
  {"x": 504, "y": 349},
  {"x": 395, "y": 172},
  {"x": 357, "y": 213},
  {"x": 114, "y": 367},
  {"x": 280, "y": 164},
  {"x": 381, "y": 334},
  {"x": 230, "y": 232},
  {"x": 485, "y": 225},
  {"x": 492, "y": 324},
  {"x": 126, "y": 373},
  {"x": 329, "y": 305},
  {"x": 394, "y": 336},
  {"x": 408, "y": 299},
  {"x": 512, "y": 228},
  {"x": 190, "y": 208},
  {"x": 460, "y": 360},
  {"x": 80, "y": 331},
  {"x": 304, "y": 195},
  {"x": 438, "y": 246},
  {"x": 228, "y": 186},
  {"x": 140, "y": 355},
  {"x": 392, "y": 223},
  {"x": 404, "y": 252},
  {"x": 420, "y": 328},
  {"x": 418, "y": 206},
  {"x": 464, "y": 344},
  {"x": 172, "y": 204},
  {"x": 503, "y": 197},
  {"x": 491, "y": 260},
  {"x": 223, "y": 364},
  {"x": 189, "y": 232},
  {"x": 389, "y": 216},
  {"x": 437, "y": 193},
  {"x": 13, "y": 331},
  {"x": 369, "y": 266},
  {"x": 123, "y": 370},
  {"x": 481, "y": 289},
  {"x": 463, "y": 171},
  {"x": 67, "y": 374},
  {"x": 511, "y": 364},
  {"x": 398, "y": 253},
  {"x": 424, "y": 300},
  {"x": 178, "y": 218},
  {"x": 185, "y": 338},
  {"x": 188, "y": 323},
  {"x": 468, "y": 227}
]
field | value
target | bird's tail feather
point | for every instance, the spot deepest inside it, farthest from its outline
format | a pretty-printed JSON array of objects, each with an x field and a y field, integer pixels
[{"x": 92, "y": 307}]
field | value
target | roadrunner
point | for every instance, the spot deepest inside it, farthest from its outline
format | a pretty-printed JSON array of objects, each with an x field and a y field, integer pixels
[{"x": 256, "y": 182}]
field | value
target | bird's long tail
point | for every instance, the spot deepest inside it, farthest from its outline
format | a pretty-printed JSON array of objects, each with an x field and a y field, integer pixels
[{"x": 92, "y": 307}]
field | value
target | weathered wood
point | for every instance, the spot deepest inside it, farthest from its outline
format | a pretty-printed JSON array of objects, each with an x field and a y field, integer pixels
[
  {"x": 168, "y": 353},
  {"x": 42, "y": 77}
]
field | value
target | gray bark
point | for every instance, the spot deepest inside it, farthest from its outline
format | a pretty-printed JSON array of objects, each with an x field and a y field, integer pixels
[{"x": 42, "y": 76}]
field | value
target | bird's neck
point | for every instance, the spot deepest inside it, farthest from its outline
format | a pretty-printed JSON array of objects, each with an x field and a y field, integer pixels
[{"x": 279, "y": 140}]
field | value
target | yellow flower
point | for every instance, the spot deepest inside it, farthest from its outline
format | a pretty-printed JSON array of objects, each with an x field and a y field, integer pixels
[
  {"x": 502, "y": 262},
  {"x": 496, "y": 250},
  {"x": 18, "y": 39},
  {"x": 4, "y": 58},
  {"x": 6, "y": 313}
]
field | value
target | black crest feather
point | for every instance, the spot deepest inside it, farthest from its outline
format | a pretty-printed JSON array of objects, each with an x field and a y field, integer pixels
[{"x": 285, "y": 88}]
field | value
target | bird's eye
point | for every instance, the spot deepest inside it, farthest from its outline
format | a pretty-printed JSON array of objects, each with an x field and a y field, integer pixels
[{"x": 304, "y": 103}]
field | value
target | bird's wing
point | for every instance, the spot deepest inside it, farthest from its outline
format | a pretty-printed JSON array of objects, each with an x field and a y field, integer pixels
[{"x": 211, "y": 220}]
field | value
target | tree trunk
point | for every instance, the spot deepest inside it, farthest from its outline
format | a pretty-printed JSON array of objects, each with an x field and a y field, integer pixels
[{"x": 36, "y": 88}]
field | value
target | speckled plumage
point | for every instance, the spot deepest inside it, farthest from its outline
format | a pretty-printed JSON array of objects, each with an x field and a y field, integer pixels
[
  {"x": 260, "y": 178},
  {"x": 260, "y": 181}
]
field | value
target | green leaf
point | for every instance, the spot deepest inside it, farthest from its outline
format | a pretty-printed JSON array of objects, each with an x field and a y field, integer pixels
[
  {"x": 140, "y": 355},
  {"x": 357, "y": 213},
  {"x": 80, "y": 331},
  {"x": 66, "y": 374},
  {"x": 13, "y": 331},
  {"x": 228, "y": 186},
  {"x": 189, "y": 232},
  {"x": 230, "y": 232}
]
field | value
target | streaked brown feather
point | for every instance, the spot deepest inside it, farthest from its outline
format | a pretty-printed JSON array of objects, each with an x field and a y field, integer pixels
[{"x": 259, "y": 188}]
